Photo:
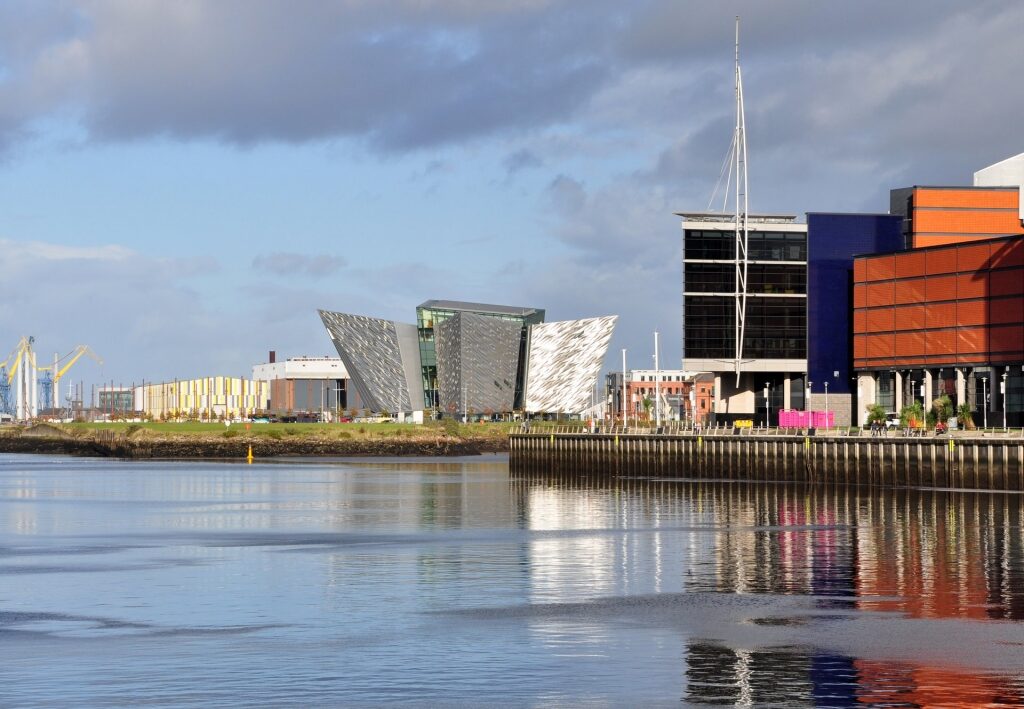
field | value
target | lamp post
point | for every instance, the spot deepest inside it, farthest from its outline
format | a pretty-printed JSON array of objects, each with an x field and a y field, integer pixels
[
  {"x": 984, "y": 402},
  {"x": 657, "y": 384},
  {"x": 1003, "y": 392},
  {"x": 625, "y": 422},
  {"x": 767, "y": 407},
  {"x": 826, "y": 405}
]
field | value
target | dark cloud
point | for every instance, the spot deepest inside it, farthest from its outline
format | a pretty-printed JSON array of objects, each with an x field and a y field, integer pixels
[
  {"x": 844, "y": 101},
  {"x": 287, "y": 264}
]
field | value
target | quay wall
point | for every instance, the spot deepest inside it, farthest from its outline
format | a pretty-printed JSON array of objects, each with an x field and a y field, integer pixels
[{"x": 967, "y": 463}]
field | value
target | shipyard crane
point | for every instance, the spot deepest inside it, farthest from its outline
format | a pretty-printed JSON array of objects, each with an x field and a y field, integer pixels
[
  {"x": 23, "y": 366},
  {"x": 50, "y": 386},
  {"x": 71, "y": 357},
  {"x": 6, "y": 404},
  {"x": 26, "y": 392}
]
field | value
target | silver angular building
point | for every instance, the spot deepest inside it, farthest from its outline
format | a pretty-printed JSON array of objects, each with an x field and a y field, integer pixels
[
  {"x": 564, "y": 362},
  {"x": 382, "y": 358},
  {"x": 477, "y": 359},
  {"x": 472, "y": 358}
]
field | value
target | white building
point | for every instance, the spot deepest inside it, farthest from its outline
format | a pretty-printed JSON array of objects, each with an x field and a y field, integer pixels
[
  {"x": 300, "y": 368},
  {"x": 306, "y": 385},
  {"x": 1005, "y": 173}
]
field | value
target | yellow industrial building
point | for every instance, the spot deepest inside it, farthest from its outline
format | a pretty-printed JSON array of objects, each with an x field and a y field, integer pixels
[{"x": 208, "y": 398}]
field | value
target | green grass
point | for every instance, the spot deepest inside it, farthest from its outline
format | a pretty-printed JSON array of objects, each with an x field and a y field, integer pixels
[{"x": 277, "y": 430}]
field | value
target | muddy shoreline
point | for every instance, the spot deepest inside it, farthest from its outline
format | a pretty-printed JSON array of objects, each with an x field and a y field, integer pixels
[{"x": 108, "y": 445}]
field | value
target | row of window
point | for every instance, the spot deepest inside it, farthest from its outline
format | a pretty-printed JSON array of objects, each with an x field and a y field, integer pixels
[
  {"x": 775, "y": 328},
  {"x": 761, "y": 245},
  {"x": 720, "y": 278}
]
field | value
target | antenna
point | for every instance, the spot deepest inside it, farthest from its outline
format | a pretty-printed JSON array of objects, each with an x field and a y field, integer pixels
[{"x": 741, "y": 203}]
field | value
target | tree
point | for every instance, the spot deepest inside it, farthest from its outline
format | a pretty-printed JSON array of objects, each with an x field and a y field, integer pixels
[
  {"x": 876, "y": 413},
  {"x": 943, "y": 408}
]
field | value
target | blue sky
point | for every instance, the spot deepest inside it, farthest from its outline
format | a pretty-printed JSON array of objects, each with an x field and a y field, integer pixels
[{"x": 183, "y": 184}]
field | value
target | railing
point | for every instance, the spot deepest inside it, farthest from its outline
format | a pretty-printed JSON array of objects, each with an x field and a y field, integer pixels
[{"x": 988, "y": 460}]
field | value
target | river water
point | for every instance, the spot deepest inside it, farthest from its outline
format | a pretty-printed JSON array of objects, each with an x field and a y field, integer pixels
[{"x": 428, "y": 582}]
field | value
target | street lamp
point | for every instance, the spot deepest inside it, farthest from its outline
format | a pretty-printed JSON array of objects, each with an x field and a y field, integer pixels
[
  {"x": 767, "y": 407},
  {"x": 1003, "y": 392},
  {"x": 826, "y": 404},
  {"x": 984, "y": 402},
  {"x": 657, "y": 384},
  {"x": 625, "y": 421}
]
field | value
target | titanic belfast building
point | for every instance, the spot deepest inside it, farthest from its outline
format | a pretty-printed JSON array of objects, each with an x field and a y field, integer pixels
[{"x": 472, "y": 358}]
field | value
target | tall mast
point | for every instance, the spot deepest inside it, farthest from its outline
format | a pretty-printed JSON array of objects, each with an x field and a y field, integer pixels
[{"x": 740, "y": 212}]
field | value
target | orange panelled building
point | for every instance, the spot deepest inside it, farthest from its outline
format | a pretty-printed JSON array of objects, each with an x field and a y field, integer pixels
[
  {"x": 946, "y": 305},
  {"x": 943, "y": 320},
  {"x": 935, "y": 216}
]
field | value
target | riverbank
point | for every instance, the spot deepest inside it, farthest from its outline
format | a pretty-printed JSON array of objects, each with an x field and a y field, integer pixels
[{"x": 265, "y": 441}]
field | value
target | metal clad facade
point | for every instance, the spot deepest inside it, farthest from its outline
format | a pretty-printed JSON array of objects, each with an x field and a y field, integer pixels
[
  {"x": 564, "y": 362},
  {"x": 382, "y": 358},
  {"x": 477, "y": 359}
]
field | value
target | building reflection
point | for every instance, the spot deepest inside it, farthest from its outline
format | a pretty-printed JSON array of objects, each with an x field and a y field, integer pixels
[
  {"x": 925, "y": 554},
  {"x": 717, "y": 675}
]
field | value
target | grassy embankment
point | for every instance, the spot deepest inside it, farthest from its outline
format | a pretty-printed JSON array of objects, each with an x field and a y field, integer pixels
[
  {"x": 215, "y": 440},
  {"x": 277, "y": 431}
]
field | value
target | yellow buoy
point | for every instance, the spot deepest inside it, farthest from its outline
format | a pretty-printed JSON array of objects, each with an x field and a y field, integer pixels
[{"x": 248, "y": 458}]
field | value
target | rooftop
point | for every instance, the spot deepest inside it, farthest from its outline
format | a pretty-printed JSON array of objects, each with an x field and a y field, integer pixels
[
  {"x": 723, "y": 217},
  {"x": 458, "y": 305}
]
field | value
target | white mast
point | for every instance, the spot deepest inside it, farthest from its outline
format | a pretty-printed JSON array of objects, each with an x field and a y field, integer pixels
[{"x": 740, "y": 214}]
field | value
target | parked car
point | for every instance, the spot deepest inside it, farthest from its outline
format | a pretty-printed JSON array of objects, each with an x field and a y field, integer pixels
[{"x": 892, "y": 420}]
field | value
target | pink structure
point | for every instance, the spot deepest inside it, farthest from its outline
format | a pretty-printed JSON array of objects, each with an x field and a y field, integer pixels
[{"x": 791, "y": 418}]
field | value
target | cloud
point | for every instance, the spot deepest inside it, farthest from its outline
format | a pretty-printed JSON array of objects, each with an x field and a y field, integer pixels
[
  {"x": 18, "y": 252},
  {"x": 522, "y": 159},
  {"x": 286, "y": 264}
]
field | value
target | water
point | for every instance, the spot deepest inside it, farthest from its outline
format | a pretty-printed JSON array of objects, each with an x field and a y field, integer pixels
[{"x": 430, "y": 582}]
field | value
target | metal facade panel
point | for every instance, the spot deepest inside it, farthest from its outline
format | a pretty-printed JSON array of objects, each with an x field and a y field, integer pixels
[
  {"x": 382, "y": 358},
  {"x": 564, "y": 362},
  {"x": 477, "y": 359}
]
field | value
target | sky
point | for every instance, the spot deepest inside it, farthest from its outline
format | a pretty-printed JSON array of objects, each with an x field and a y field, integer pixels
[{"x": 183, "y": 184}]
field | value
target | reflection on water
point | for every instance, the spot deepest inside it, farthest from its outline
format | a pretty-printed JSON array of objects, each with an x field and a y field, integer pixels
[
  {"x": 415, "y": 581},
  {"x": 793, "y": 676}
]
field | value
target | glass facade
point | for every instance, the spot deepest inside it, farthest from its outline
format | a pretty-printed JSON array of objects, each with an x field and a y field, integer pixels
[
  {"x": 775, "y": 324},
  {"x": 431, "y": 314}
]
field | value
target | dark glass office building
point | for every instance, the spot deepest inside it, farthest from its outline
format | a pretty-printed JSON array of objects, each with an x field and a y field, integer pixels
[{"x": 774, "y": 322}]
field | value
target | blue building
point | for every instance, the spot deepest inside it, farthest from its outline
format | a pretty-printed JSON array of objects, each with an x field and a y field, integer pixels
[{"x": 833, "y": 239}]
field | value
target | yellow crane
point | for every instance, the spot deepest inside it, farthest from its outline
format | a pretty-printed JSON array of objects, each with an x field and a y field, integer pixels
[
  {"x": 16, "y": 356},
  {"x": 59, "y": 370}
]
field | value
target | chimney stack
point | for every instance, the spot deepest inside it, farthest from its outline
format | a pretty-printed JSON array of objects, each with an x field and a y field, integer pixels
[{"x": 273, "y": 356}]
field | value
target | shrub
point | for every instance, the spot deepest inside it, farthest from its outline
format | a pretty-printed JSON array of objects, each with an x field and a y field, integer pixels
[
  {"x": 943, "y": 408},
  {"x": 344, "y": 434},
  {"x": 132, "y": 428},
  {"x": 876, "y": 413},
  {"x": 451, "y": 427},
  {"x": 231, "y": 433},
  {"x": 964, "y": 416},
  {"x": 274, "y": 433},
  {"x": 912, "y": 413}
]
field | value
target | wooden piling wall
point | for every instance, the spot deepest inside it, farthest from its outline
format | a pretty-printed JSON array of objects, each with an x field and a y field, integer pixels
[{"x": 967, "y": 463}]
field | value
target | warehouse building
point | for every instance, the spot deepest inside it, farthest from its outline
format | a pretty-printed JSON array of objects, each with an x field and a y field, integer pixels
[
  {"x": 306, "y": 387},
  {"x": 206, "y": 398}
]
